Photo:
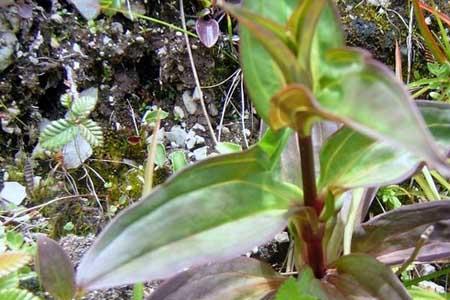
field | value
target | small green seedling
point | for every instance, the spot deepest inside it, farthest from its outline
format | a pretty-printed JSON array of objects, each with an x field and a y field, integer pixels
[{"x": 76, "y": 122}]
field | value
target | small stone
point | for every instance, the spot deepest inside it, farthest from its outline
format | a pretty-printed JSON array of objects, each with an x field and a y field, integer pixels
[
  {"x": 76, "y": 152},
  {"x": 225, "y": 130},
  {"x": 177, "y": 135},
  {"x": 189, "y": 103},
  {"x": 199, "y": 127},
  {"x": 140, "y": 39},
  {"x": 13, "y": 192},
  {"x": 201, "y": 153},
  {"x": 282, "y": 237},
  {"x": 212, "y": 109},
  {"x": 8, "y": 43},
  {"x": 116, "y": 28},
  {"x": 178, "y": 112}
]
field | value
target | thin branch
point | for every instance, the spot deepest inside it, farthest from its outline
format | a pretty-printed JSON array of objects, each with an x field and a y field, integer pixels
[{"x": 194, "y": 72}]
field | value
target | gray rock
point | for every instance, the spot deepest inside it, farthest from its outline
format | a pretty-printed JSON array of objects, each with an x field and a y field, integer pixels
[
  {"x": 76, "y": 152},
  {"x": 201, "y": 153},
  {"x": 8, "y": 41},
  {"x": 189, "y": 102},
  {"x": 177, "y": 135},
  {"x": 212, "y": 109}
]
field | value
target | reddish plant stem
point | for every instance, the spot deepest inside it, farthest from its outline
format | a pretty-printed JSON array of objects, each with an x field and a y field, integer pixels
[
  {"x": 313, "y": 238},
  {"x": 308, "y": 173}
]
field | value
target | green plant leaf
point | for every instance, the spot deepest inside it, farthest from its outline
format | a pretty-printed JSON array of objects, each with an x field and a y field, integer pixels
[
  {"x": 206, "y": 212},
  {"x": 92, "y": 132},
  {"x": 238, "y": 279},
  {"x": 263, "y": 77},
  {"x": 12, "y": 261},
  {"x": 289, "y": 291},
  {"x": 160, "y": 155},
  {"x": 9, "y": 281},
  {"x": 55, "y": 269},
  {"x": 227, "y": 147},
  {"x": 85, "y": 104},
  {"x": 361, "y": 92},
  {"x": 17, "y": 294},
  {"x": 422, "y": 294},
  {"x": 57, "y": 134},
  {"x": 329, "y": 35},
  {"x": 361, "y": 276},
  {"x": 350, "y": 159},
  {"x": 178, "y": 160},
  {"x": 392, "y": 236},
  {"x": 273, "y": 38}
]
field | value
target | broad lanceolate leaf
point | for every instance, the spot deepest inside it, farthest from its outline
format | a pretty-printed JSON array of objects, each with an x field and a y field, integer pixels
[
  {"x": 57, "y": 134},
  {"x": 238, "y": 279},
  {"x": 367, "y": 96},
  {"x": 350, "y": 159},
  {"x": 275, "y": 41},
  {"x": 392, "y": 236},
  {"x": 17, "y": 294},
  {"x": 361, "y": 277},
  {"x": 263, "y": 77},
  {"x": 92, "y": 132},
  {"x": 12, "y": 261},
  {"x": 85, "y": 104},
  {"x": 214, "y": 210},
  {"x": 55, "y": 269}
]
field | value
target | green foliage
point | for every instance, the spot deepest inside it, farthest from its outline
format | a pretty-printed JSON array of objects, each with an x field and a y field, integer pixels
[
  {"x": 60, "y": 132},
  {"x": 15, "y": 254},
  {"x": 299, "y": 72}
]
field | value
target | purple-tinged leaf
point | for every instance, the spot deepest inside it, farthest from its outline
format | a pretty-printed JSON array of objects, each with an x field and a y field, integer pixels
[
  {"x": 361, "y": 277},
  {"x": 206, "y": 212},
  {"x": 361, "y": 91},
  {"x": 55, "y": 269},
  {"x": 240, "y": 278},
  {"x": 392, "y": 236},
  {"x": 263, "y": 76},
  {"x": 274, "y": 39},
  {"x": 350, "y": 159},
  {"x": 89, "y": 9},
  {"x": 208, "y": 31}
]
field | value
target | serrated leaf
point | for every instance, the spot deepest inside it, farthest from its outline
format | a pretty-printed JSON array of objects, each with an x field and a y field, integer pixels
[
  {"x": 350, "y": 159},
  {"x": 85, "y": 104},
  {"x": 55, "y": 269},
  {"x": 57, "y": 134},
  {"x": 92, "y": 132},
  {"x": 12, "y": 261},
  {"x": 211, "y": 193},
  {"x": 238, "y": 279},
  {"x": 17, "y": 294}
]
